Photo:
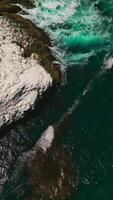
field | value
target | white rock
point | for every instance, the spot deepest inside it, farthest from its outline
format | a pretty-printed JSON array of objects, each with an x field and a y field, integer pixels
[{"x": 22, "y": 80}]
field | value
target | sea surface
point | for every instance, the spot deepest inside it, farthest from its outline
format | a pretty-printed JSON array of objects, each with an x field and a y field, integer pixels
[{"x": 81, "y": 32}]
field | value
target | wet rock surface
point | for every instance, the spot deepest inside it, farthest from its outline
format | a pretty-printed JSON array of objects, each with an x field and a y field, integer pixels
[
  {"x": 27, "y": 3},
  {"x": 45, "y": 172},
  {"x": 51, "y": 172},
  {"x": 37, "y": 40}
]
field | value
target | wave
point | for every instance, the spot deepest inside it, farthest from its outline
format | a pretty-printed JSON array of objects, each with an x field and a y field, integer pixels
[{"x": 78, "y": 29}]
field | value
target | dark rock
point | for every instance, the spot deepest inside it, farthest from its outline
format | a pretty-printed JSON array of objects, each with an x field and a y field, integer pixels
[{"x": 51, "y": 172}]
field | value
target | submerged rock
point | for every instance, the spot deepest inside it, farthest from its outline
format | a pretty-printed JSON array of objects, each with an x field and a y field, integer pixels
[
  {"x": 22, "y": 80},
  {"x": 51, "y": 172},
  {"x": 45, "y": 172}
]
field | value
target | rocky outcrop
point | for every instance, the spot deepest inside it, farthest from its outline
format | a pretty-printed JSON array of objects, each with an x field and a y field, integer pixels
[
  {"x": 27, "y": 70},
  {"x": 37, "y": 41},
  {"x": 27, "y": 66},
  {"x": 22, "y": 80},
  {"x": 51, "y": 172},
  {"x": 44, "y": 172}
]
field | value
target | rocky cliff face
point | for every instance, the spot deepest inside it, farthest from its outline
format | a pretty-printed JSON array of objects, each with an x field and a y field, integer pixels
[{"x": 22, "y": 80}]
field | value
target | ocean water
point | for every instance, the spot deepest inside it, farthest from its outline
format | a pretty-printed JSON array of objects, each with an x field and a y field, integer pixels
[{"x": 81, "y": 32}]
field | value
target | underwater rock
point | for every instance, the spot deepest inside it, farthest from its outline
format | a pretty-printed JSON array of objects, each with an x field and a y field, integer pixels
[
  {"x": 44, "y": 172},
  {"x": 22, "y": 80},
  {"x": 51, "y": 172}
]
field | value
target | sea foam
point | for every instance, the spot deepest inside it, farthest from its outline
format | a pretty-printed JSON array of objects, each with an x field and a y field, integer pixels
[{"x": 46, "y": 139}]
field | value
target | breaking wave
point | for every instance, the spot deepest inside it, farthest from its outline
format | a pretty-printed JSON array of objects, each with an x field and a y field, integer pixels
[{"x": 78, "y": 28}]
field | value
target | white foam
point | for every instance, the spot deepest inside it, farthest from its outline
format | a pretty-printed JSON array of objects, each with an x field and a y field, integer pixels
[
  {"x": 46, "y": 139},
  {"x": 47, "y": 18},
  {"x": 52, "y": 5},
  {"x": 108, "y": 64}
]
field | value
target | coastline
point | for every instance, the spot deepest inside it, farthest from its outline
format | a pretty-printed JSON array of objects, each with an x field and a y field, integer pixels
[
  {"x": 28, "y": 71},
  {"x": 39, "y": 41},
  {"x": 62, "y": 147},
  {"x": 23, "y": 45}
]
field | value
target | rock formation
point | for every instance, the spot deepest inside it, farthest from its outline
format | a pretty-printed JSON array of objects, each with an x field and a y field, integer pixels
[
  {"x": 27, "y": 70},
  {"x": 51, "y": 172},
  {"x": 27, "y": 66},
  {"x": 22, "y": 80}
]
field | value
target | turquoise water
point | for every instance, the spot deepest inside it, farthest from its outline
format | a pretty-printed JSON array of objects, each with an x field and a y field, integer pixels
[
  {"x": 81, "y": 33},
  {"x": 78, "y": 28}
]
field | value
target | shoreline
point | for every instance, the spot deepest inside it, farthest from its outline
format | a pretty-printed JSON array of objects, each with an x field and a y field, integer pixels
[
  {"x": 29, "y": 72},
  {"x": 40, "y": 41},
  {"x": 27, "y": 45},
  {"x": 23, "y": 79}
]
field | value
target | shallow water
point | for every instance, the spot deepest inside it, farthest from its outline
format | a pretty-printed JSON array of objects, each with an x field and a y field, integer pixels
[{"x": 82, "y": 34}]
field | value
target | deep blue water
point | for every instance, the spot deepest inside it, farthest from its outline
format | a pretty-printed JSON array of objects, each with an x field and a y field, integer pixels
[{"x": 81, "y": 33}]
